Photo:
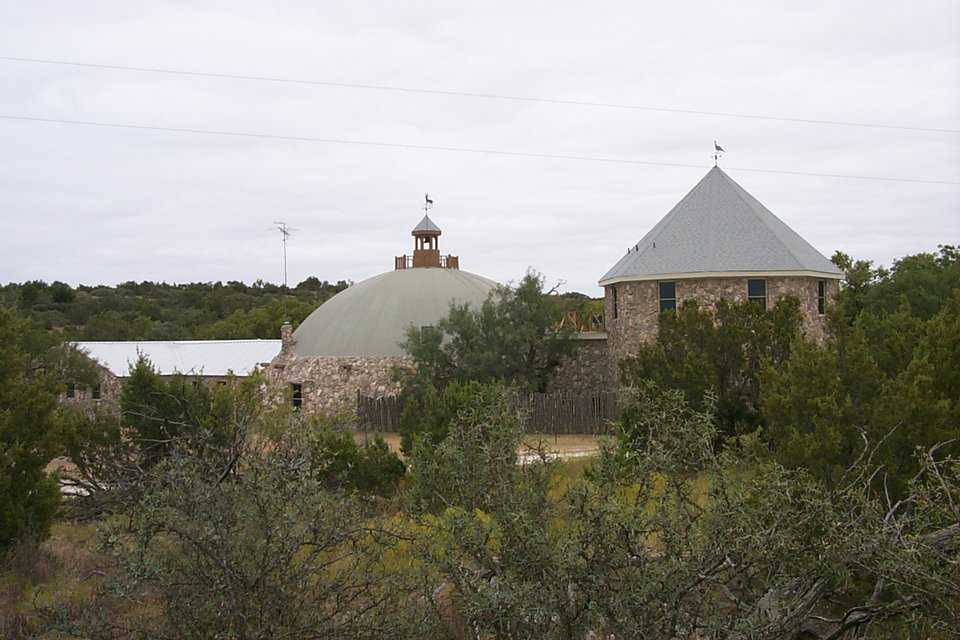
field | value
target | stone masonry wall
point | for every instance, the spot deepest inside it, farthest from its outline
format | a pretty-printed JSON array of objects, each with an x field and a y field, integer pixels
[
  {"x": 588, "y": 370},
  {"x": 330, "y": 383},
  {"x": 638, "y": 305},
  {"x": 110, "y": 388}
]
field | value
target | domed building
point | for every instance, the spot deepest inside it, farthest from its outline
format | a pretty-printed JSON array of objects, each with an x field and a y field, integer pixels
[{"x": 351, "y": 343}]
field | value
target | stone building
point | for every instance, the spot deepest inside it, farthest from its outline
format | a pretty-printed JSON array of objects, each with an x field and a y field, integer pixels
[
  {"x": 351, "y": 343},
  {"x": 717, "y": 242},
  {"x": 208, "y": 361}
]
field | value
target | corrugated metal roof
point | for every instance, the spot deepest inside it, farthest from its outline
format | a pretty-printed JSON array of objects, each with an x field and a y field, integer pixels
[
  {"x": 198, "y": 357},
  {"x": 426, "y": 226},
  {"x": 371, "y": 317},
  {"x": 719, "y": 228}
]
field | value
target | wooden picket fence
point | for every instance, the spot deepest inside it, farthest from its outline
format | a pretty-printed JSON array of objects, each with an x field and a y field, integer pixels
[
  {"x": 554, "y": 413},
  {"x": 379, "y": 415},
  {"x": 568, "y": 412}
]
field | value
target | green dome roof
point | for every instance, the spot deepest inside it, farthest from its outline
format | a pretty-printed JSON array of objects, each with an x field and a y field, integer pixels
[{"x": 371, "y": 317}]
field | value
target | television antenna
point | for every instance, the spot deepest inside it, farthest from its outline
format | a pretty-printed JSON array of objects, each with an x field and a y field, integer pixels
[{"x": 285, "y": 232}]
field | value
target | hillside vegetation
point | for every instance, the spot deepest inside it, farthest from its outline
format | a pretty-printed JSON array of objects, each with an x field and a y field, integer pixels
[{"x": 161, "y": 311}]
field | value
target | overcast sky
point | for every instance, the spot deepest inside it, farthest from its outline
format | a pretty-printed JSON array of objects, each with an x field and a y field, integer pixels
[{"x": 99, "y": 205}]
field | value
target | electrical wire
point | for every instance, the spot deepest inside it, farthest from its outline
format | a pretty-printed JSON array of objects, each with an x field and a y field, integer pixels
[
  {"x": 476, "y": 94},
  {"x": 430, "y": 147}
]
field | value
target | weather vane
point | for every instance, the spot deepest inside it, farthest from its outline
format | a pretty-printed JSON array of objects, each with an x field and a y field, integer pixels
[
  {"x": 717, "y": 153},
  {"x": 427, "y": 203}
]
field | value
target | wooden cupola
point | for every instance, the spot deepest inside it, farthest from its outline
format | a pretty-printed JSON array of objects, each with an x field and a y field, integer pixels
[{"x": 426, "y": 248}]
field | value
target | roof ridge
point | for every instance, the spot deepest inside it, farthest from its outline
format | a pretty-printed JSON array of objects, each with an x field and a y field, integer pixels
[{"x": 746, "y": 197}]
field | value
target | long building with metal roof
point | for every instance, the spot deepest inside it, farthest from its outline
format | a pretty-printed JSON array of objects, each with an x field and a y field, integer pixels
[{"x": 188, "y": 357}]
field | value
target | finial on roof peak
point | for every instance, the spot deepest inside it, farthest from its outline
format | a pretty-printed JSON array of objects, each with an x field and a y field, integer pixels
[{"x": 718, "y": 152}]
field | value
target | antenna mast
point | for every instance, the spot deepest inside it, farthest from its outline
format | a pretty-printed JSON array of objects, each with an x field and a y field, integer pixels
[{"x": 285, "y": 232}]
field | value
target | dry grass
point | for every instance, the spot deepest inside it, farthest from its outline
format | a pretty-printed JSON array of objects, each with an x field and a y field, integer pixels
[
  {"x": 563, "y": 445},
  {"x": 65, "y": 570}
]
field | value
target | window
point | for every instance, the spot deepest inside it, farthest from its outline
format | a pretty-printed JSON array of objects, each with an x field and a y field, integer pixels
[
  {"x": 613, "y": 295},
  {"x": 757, "y": 292},
  {"x": 668, "y": 296},
  {"x": 297, "y": 394},
  {"x": 96, "y": 392},
  {"x": 71, "y": 390},
  {"x": 821, "y": 296}
]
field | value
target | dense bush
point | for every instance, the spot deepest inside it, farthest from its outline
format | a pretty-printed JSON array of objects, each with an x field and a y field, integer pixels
[
  {"x": 428, "y": 413},
  {"x": 340, "y": 463},
  {"x": 32, "y": 367},
  {"x": 675, "y": 534},
  {"x": 512, "y": 337},
  {"x": 718, "y": 350},
  {"x": 271, "y": 552},
  {"x": 825, "y": 399}
]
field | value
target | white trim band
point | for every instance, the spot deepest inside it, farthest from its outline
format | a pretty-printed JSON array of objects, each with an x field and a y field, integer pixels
[{"x": 820, "y": 275}]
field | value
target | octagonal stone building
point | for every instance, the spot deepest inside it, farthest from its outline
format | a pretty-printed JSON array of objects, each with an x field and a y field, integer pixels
[{"x": 717, "y": 242}]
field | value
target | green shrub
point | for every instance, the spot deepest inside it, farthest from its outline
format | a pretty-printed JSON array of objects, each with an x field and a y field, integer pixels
[
  {"x": 427, "y": 412},
  {"x": 28, "y": 418},
  {"x": 339, "y": 462}
]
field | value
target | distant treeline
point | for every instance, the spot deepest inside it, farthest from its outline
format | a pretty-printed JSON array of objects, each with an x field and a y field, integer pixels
[
  {"x": 161, "y": 311},
  {"x": 193, "y": 311}
]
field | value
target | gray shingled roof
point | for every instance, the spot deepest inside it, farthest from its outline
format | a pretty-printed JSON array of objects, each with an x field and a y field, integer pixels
[
  {"x": 426, "y": 226},
  {"x": 718, "y": 228}
]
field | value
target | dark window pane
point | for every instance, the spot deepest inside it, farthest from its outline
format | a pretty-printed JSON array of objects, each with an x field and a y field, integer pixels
[
  {"x": 95, "y": 393},
  {"x": 667, "y": 305},
  {"x": 71, "y": 390},
  {"x": 668, "y": 290},
  {"x": 297, "y": 397},
  {"x": 821, "y": 297},
  {"x": 756, "y": 288},
  {"x": 616, "y": 311},
  {"x": 760, "y": 302}
]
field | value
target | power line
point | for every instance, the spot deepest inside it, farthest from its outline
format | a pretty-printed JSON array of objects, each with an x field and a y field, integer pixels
[
  {"x": 476, "y": 94},
  {"x": 431, "y": 147}
]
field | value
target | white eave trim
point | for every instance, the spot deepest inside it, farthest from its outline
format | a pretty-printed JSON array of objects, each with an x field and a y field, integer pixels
[{"x": 821, "y": 275}]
